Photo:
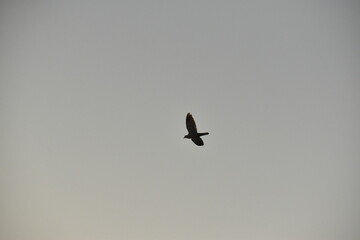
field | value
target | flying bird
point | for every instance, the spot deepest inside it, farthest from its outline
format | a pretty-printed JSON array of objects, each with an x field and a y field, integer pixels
[{"x": 193, "y": 133}]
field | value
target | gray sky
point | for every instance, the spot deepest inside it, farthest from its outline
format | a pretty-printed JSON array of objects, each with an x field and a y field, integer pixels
[{"x": 93, "y": 101}]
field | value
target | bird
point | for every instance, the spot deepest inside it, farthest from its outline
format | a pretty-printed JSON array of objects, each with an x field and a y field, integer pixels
[{"x": 193, "y": 133}]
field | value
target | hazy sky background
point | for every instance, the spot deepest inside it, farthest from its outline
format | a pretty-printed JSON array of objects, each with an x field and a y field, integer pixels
[{"x": 93, "y": 99}]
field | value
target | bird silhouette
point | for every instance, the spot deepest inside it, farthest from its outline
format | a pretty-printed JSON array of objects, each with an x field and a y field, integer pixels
[{"x": 193, "y": 133}]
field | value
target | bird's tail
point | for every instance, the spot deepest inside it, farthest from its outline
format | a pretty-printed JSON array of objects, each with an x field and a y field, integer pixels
[{"x": 202, "y": 134}]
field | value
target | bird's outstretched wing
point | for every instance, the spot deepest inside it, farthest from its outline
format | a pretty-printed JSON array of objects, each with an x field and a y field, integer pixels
[
  {"x": 190, "y": 124},
  {"x": 198, "y": 141}
]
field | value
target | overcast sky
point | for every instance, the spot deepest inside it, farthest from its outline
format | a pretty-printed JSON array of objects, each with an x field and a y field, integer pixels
[{"x": 93, "y": 99}]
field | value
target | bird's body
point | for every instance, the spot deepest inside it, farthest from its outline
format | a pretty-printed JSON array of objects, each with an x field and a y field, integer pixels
[{"x": 193, "y": 133}]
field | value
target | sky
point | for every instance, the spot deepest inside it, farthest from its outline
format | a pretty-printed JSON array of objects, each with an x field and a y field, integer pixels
[{"x": 93, "y": 99}]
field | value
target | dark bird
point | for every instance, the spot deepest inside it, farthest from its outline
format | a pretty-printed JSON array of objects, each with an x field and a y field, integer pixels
[{"x": 193, "y": 133}]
